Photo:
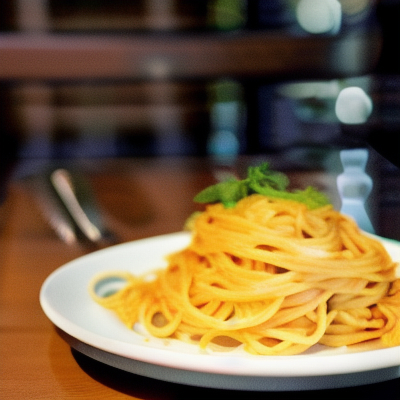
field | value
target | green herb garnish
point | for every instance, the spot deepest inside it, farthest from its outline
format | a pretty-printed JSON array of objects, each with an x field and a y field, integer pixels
[{"x": 264, "y": 181}]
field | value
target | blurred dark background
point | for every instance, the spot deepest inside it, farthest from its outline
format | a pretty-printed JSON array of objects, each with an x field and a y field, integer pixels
[{"x": 218, "y": 78}]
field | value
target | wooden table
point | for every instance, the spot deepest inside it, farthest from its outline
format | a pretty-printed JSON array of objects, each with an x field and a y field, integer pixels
[{"x": 139, "y": 199}]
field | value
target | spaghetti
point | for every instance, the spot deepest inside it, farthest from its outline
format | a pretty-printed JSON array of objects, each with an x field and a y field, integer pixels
[{"x": 269, "y": 275}]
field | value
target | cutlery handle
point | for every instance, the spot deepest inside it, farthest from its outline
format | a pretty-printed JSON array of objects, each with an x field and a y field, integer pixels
[{"x": 63, "y": 184}]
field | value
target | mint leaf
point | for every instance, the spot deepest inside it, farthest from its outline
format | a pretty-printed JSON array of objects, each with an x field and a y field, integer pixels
[
  {"x": 264, "y": 176},
  {"x": 264, "y": 181},
  {"x": 228, "y": 193}
]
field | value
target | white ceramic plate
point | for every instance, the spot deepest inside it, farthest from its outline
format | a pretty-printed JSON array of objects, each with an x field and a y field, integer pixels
[{"x": 99, "y": 334}]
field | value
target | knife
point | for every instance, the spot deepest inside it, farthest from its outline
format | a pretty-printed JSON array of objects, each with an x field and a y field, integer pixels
[
  {"x": 76, "y": 196},
  {"x": 51, "y": 209}
]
